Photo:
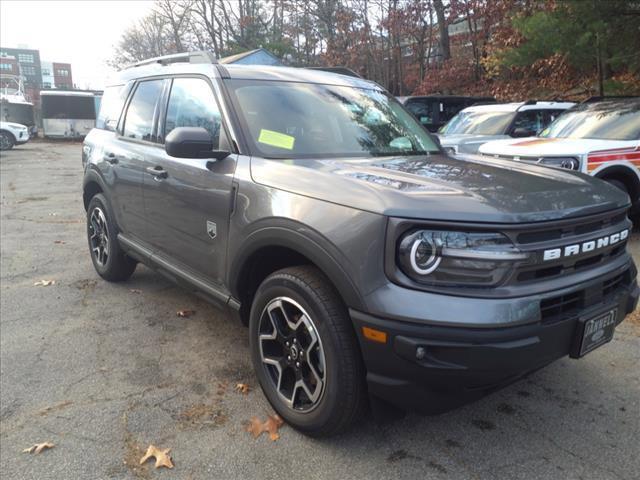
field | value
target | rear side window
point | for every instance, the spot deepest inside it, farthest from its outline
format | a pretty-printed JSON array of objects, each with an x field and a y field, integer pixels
[
  {"x": 193, "y": 104},
  {"x": 138, "y": 123},
  {"x": 530, "y": 120},
  {"x": 111, "y": 106}
]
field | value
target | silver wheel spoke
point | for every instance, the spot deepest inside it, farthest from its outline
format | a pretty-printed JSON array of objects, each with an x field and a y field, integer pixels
[{"x": 292, "y": 354}]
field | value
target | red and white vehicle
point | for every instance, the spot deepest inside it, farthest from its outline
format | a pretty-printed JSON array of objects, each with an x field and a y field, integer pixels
[{"x": 601, "y": 138}]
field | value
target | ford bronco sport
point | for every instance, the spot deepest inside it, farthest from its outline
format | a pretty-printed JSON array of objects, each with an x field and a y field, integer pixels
[{"x": 370, "y": 267}]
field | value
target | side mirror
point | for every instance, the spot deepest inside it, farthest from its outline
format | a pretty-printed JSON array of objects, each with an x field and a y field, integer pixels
[
  {"x": 192, "y": 142},
  {"x": 522, "y": 132}
]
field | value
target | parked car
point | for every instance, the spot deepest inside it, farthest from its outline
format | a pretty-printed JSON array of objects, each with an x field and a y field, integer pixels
[
  {"x": 12, "y": 134},
  {"x": 369, "y": 265},
  {"x": 476, "y": 125},
  {"x": 434, "y": 111},
  {"x": 601, "y": 138}
]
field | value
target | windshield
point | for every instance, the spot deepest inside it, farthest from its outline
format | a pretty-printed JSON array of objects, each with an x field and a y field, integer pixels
[
  {"x": 479, "y": 123},
  {"x": 18, "y": 113},
  {"x": 599, "y": 122},
  {"x": 301, "y": 120}
]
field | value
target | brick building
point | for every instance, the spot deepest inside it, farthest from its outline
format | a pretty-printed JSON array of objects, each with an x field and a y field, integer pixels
[
  {"x": 29, "y": 62},
  {"x": 62, "y": 78}
]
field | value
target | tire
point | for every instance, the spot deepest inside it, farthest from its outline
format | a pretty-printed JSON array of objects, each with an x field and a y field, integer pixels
[
  {"x": 6, "y": 141},
  {"x": 108, "y": 258},
  {"x": 335, "y": 355}
]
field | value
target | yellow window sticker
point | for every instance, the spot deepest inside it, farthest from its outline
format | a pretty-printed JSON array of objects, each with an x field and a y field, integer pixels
[{"x": 276, "y": 139}]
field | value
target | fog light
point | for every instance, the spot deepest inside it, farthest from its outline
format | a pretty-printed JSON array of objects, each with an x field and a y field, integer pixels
[{"x": 421, "y": 352}]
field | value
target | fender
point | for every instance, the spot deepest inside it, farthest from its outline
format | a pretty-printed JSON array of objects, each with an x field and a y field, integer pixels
[
  {"x": 289, "y": 234},
  {"x": 91, "y": 174}
]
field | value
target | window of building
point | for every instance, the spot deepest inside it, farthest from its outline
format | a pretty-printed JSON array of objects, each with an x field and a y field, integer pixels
[
  {"x": 192, "y": 104},
  {"x": 139, "y": 120},
  {"x": 62, "y": 72},
  {"x": 6, "y": 66},
  {"x": 25, "y": 58},
  {"x": 46, "y": 85},
  {"x": 28, "y": 70},
  {"x": 45, "y": 71}
]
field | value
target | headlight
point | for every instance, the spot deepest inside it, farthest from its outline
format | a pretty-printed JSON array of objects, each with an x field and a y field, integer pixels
[
  {"x": 569, "y": 163},
  {"x": 448, "y": 258}
]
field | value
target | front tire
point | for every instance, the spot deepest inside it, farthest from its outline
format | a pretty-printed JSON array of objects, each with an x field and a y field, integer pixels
[
  {"x": 6, "y": 141},
  {"x": 108, "y": 258},
  {"x": 305, "y": 353}
]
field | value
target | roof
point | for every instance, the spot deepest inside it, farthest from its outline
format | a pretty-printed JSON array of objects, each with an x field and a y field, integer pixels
[
  {"x": 259, "y": 56},
  {"x": 240, "y": 71},
  {"x": 519, "y": 106},
  {"x": 66, "y": 93}
]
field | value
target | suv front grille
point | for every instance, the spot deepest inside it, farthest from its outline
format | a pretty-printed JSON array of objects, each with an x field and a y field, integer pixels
[
  {"x": 564, "y": 306},
  {"x": 539, "y": 239}
]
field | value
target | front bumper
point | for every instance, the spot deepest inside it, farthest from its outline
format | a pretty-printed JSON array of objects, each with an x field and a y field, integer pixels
[{"x": 461, "y": 364}]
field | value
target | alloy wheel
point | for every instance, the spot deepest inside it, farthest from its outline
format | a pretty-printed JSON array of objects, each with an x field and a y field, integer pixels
[
  {"x": 99, "y": 236},
  {"x": 292, "y": 355}
]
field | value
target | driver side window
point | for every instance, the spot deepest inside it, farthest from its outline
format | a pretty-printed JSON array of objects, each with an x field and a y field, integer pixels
[{"x": 193, "y": 104}]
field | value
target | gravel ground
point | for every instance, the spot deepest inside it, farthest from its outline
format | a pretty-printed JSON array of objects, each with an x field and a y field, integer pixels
[{"x": 102, "y": 370}]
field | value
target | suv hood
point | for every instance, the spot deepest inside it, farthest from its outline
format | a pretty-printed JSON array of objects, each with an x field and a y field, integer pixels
[
  {"x": 439, "y": 187},
  {"x": 535, "y": 147}
]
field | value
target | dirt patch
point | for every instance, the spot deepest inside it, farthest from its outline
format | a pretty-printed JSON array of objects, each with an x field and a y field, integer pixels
[
  {"x": 133, "y": 453},
  {"x": 32, "y": 199},
  {"x": 53, "y": 408},
  {"x": 203, "y": 414},
  {"x": 484, "y": 425},
  {"x": 634, "y": 320}
]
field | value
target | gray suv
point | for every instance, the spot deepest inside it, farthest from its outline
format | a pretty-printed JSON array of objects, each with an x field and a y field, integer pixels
[{"x": 373, "y": 270}]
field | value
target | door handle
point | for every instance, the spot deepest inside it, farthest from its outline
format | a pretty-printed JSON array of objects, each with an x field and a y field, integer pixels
[
  {"x": 112, "y": 158},
  {"x": 158, "y": 172}
]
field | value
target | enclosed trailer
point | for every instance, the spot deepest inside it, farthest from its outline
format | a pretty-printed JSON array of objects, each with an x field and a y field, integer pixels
[{"x": 67, "y": 113}]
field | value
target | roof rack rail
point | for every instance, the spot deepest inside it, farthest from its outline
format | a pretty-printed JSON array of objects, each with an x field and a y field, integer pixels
[{"x": 200, "y": 56}]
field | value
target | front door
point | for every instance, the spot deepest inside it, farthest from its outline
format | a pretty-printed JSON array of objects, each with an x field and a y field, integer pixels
[{"x": 188, "y": 201}]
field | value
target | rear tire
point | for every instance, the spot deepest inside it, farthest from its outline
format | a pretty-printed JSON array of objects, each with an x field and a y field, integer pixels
[
  {"x": 6, "y": 141},
  {"x": 326, "y": 357},
  {"x": 109, "y": 260}
]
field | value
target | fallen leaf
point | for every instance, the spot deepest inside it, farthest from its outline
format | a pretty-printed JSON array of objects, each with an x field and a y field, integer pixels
[
  {"x": 243, "y": 388},
  {"x": 59, "y": 242},
  {"x": 185, "y": 313},
  {"x": 38, "y": 447},
  {"x": 135, "y": 290},
  {"x": 162, "y": 456},
  {"x": 271, "y": 426},
  {"x": 44, "y": 283}
]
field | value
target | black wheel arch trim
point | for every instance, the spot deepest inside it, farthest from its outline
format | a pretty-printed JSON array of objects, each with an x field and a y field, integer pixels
[
  {"x": 91, "y": 175},
  {"x": 624, "y": 171},
  {"x": 311, "y": 244}
]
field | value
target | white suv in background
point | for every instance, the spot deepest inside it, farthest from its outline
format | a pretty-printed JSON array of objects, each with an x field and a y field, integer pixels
[
  {"x": 478, "y": 124},
  {"x": 600, "y": 137},
  {"x": 12, "y": 134}
]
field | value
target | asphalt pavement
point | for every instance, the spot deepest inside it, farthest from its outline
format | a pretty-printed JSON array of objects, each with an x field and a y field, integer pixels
[{"x": 102, "y": 370}]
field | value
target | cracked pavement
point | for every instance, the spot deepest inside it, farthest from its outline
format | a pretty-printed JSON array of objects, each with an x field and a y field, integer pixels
[{"x": 102, "y": 370}]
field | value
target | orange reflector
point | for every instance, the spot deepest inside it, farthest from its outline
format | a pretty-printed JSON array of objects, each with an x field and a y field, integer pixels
[{"x": 374, "y": 335}]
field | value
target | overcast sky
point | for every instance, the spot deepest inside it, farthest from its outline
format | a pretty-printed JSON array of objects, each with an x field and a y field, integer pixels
[{"x": 81, "y": 33}]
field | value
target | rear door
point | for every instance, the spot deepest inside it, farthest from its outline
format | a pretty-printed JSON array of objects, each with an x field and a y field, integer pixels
[
  {"x": 128, "y": 152},
  {"x": 188, "y": 201}
]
